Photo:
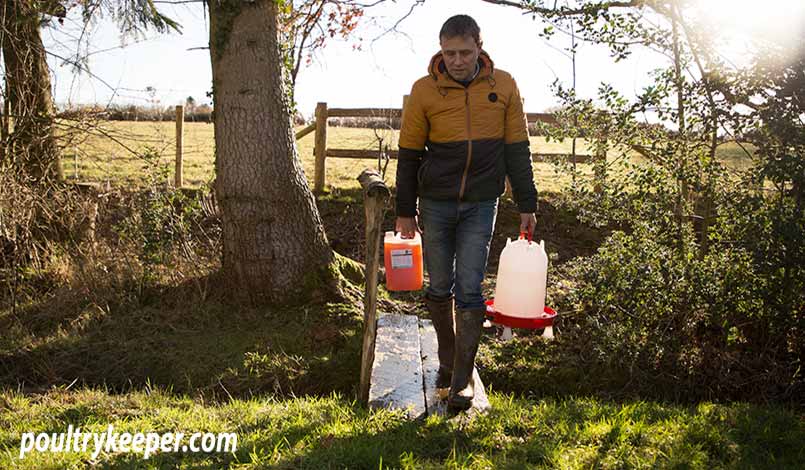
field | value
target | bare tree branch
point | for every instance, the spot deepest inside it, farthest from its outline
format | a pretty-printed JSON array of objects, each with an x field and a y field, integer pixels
[
  {"x": 399, "y": 21},
  {"x": 565, "y": 11}
]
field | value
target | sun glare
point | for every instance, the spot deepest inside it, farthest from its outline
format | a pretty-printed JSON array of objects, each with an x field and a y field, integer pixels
[{"x": 736, "y": 23}]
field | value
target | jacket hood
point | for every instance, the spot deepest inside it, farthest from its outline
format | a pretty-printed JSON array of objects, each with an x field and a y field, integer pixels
[{"x": 438, "y": 70}]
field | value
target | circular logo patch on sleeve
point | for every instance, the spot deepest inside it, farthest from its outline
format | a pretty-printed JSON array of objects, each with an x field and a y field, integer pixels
[{"x": 493, "y": 97}]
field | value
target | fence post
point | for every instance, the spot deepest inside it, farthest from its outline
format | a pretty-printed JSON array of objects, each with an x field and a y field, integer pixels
[
  {"x": 320, "y": 150},
  {"x": 600, "y": 166},
  {"x": 75, "y": 162},
  {"x": 376, "y": 196},
  {"x": 179, "y": 177}
]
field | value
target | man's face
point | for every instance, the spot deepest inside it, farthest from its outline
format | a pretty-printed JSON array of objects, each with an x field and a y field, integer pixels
[{"x": 460, "y": 55}]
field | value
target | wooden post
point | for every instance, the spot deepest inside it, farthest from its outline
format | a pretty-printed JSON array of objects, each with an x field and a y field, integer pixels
[
  {"x": 320, "y": 150},
  {"x": 376, "y": 196},
  {"x": 600, "y": 166},
  {"x": 179, "y": 177},
  {"x": 75, "y": 163}
]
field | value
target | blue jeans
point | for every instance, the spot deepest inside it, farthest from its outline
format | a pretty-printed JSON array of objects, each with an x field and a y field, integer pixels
[{"x": 456, "y": 237}]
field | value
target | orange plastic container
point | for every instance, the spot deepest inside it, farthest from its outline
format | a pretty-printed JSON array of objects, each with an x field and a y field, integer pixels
[{"x": 403, "y": 260}]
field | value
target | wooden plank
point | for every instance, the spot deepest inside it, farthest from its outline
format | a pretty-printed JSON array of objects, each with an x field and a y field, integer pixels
[
  {"x": 375, "y": 196},
  {"x": 544, "y": 157},
  {"x": 362, "y": 154},
  {"x": 307, "y": 130},
  {"x": 365, "y": 154},
  {"x": 365, "y": 112},
  {"x": 434, "y": 404},
  {"x": 397, "y": 370}
]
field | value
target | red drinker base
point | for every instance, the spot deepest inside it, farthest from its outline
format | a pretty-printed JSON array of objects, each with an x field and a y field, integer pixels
[{"x": 520, "y": 322}]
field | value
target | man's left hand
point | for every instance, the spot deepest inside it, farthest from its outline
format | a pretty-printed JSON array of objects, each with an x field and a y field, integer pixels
[{"x": 528, "y": 223}]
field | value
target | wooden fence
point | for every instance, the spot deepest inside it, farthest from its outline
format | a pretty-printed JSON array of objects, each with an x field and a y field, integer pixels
[{"x": 321, "y": 152}]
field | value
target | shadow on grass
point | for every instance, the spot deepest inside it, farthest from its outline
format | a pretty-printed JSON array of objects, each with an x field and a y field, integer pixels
[{"x": 211, "y": 348}]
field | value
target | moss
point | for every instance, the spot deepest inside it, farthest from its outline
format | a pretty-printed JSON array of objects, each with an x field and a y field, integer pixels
[
  {"x": 223, "y": 13},
  {"x": 341, "y": 280},
  {"x": 352, "y": 270},
  {"x": 382, "y": 292}
]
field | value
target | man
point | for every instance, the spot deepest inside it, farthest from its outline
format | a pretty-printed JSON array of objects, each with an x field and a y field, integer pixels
[{"x": 463, "y": 132}]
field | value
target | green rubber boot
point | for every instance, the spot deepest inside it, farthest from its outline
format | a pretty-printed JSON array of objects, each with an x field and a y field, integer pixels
[
  {"x": 441, "y": 312},
  {"x": 468, "y": 333}
]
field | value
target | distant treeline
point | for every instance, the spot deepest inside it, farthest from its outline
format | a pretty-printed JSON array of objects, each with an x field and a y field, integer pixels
[
  {"x": 204, "y": 113},
  {"x": 114, "y": 112},
  {"x": 387, "y": 123}
]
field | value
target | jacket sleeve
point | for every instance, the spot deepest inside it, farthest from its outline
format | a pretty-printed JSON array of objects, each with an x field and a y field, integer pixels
[
  {"x": 518, "y": 154},
  {"x": 413, "y": 134}
]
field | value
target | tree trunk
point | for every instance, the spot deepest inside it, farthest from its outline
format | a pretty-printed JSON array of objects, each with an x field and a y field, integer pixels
[
  {"x": 31, "y": 144},
  {"x": 274, "y": 242}
]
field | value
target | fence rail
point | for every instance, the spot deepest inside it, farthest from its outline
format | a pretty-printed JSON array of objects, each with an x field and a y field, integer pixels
[
  {"x": 322, "y": 152},
  {"x": 365, "y": 112}
]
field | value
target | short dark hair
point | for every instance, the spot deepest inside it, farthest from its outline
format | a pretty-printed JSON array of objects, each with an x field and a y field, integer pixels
[{"x": 461, "y": 25}]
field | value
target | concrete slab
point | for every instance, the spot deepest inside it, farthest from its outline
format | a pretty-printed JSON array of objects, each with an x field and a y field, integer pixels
[
  {"x": 430, "y": 367},
  {"x": 397, "y": 369}
]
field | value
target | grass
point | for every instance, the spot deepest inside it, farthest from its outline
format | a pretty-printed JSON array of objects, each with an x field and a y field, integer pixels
[
  {"x": 284, "y": 378},
  {"x": 189, "y": 347},
  {"x": 335, "y": 432},
  {"x": 102, "y": 159}
]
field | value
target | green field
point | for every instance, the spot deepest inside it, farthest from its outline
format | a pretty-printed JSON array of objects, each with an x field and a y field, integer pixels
[{"x": 111, "y": 155}]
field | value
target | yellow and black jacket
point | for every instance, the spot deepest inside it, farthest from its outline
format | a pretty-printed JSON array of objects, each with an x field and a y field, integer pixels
[{"x": 459, "y": 143}]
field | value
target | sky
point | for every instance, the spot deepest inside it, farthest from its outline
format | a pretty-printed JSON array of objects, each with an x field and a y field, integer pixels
[{"x": 176, "y": 66}]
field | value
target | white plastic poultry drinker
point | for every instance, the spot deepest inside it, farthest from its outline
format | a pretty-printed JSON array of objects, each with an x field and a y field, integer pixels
[{"x": 520, "y": 291}]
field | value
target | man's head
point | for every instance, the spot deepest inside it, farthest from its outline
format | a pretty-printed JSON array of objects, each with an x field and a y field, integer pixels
[{"x": 460, "y": 38}]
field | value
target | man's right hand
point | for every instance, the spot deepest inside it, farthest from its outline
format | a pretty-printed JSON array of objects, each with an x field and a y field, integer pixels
[{"x": 407, "y": 226}]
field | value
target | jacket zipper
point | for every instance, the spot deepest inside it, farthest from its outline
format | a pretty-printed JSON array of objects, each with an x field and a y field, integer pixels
[{"x": 469, "y": 146}]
